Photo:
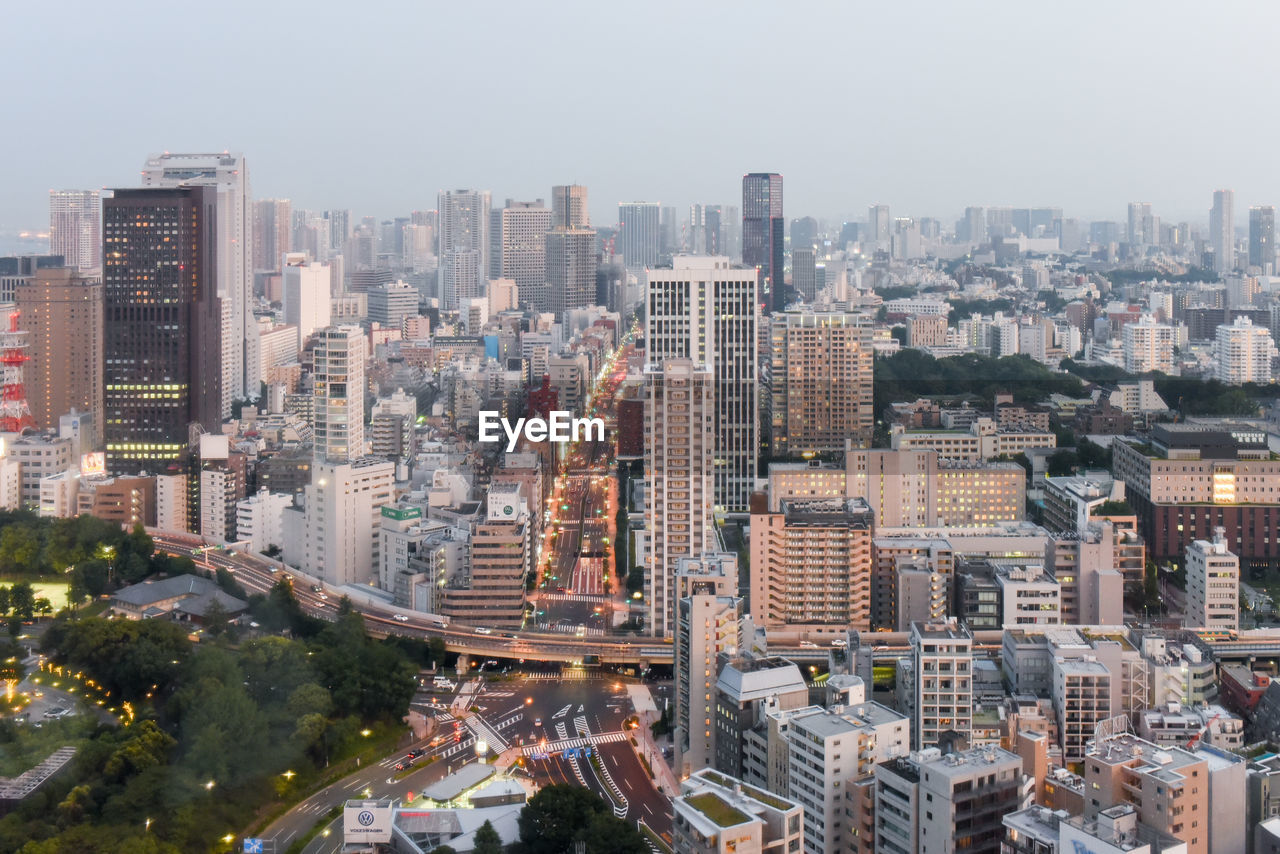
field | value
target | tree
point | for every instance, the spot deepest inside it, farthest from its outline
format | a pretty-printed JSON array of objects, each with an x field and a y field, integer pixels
[
  {"x": 216, "y": 619},
  {"x": 487, "y": 840},
  {"x": 553, "y": 819},
  {"x": 437, "y": 649},
  {"x": 1061, "y": 463},
  {"x": 23, "y": 599}
]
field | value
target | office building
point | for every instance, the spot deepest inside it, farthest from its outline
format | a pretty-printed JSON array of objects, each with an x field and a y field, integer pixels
[
  {"x": 61, "y": 312},
  {"x": 637, "y": 241},
  {"x": 708, "y": 624},
  {"x": 462, "y": 237},
  {"x": 935, "y": 803},
  {"x": 820, "y": 382},
  {"x": 1213, "y": 585},
  {"x": 569, "y": 206},
  {"x": 747, "y": 688},
  {"x": 703, "y": 309},
  {"x": 1190, "y": 479},
  {"x": 1222, "y": 231},
  {"x": 715, "y": 814},
  {"x": 810, "y": 566},
  {"x": 1041, "y": 830},
  {"x": 1242, "y": 353},
  {"x": 1148, "y": 346},
  {"x": 679, "y": 466},
  {"x": 804, "y": 273},
  {"x": 306, "y": 296},
  {"x": 272, "y": 233},
  {"x": 334, "y": 535},
  {"x": 983, "y": 440},
  {"x": 942, "y": 658},
  {"x": 75, "y": 228},
  {"x": 491, "y": 592},
  {"x": 228, "y": 174},
  {"x": 518, "y": 250},
  {"x": 1262, "y": 239},
  {"x": 339, "y": 373},
  {"x": 162, "y": 321},
  {"x": 392, "y": 302},
  {"x": 571, "y": 270},
  {"x": 763, "y": 235}
]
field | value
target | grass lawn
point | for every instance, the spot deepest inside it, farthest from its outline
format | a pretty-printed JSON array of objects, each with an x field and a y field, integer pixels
[
  {"x": 54, "y": 591},
  {"x": 30, "y": 744}
]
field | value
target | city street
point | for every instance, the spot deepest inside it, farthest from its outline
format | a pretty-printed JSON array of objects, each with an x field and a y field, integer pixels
[
  {"x": 575, "y": 592},
  {"x": 551, "y": 718}
]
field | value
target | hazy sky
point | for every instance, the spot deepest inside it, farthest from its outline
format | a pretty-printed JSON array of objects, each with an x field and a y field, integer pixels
[{"x": 927, "y": 107}]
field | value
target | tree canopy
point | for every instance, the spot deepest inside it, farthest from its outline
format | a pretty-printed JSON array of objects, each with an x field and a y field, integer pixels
[{"x": 559, "y": 816}]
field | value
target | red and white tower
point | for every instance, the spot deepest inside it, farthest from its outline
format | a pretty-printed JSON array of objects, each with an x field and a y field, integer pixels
[{"x": 15, "y": 414}]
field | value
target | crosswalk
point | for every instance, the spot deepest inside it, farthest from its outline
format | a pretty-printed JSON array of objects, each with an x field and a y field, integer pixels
[
  {"x": 584, "y": 631},
  {"x": 483, "y": 731},
  {"x": 459, "y": 747},
  {"x": 571, "y": 743},
  {"x": 561, "y": 732},
  {"x": 566, "y": 676},
  {"x": 580, "y": 726}
]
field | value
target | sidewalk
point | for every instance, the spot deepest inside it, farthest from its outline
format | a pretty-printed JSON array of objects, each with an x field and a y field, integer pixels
[{"x": 647, "y": 711}]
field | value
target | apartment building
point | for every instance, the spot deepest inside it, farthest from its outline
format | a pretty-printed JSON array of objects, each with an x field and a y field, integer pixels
[
  {"x": 942, "y": 659},
  {"x": 811, "y": 565}
]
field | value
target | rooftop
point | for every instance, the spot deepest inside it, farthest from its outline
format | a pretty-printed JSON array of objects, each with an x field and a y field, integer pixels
[{"x": 717, "y": 809}]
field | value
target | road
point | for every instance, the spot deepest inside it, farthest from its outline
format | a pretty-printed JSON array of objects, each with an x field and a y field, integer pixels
[
  {"x": 524, "y": 711},
  {"x": 575, "y": 593}
]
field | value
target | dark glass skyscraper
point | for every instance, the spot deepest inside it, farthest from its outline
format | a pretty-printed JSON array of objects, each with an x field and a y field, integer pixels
[
  {"x": 763, "y": 231},
  {"x": 163, "y": 319}
]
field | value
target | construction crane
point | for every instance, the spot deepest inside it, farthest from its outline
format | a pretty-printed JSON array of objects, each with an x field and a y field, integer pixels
[
  {"x": 15, "y": 414},
  {"x": 1195, "y": 739}
]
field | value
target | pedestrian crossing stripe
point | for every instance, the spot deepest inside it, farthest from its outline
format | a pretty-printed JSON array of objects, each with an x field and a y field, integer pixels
[{"x": 568, "y": 743}]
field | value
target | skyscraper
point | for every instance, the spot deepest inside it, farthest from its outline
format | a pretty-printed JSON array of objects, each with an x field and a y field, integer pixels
[
  {"x": 638, "y": 234},
  {"x": 339, "y": 394},
  {"x": 1262, "y": 238},
  {"x": 229, "y": 175},
  {"x": 464, "y": 246},
  {"x": 880, "y": 227},
  {"x": 518, "y": 249},
  {"x": 272, "y": 233},
  {"x": 61, "y": 311},
  {"x": 705, "y": 310},
  {"x": 569, "y": 206},
  {"x": 804, "y": 273},
  {"x": 679, "y": 448},
  {"x": 1222, "y": 231},
  {"x": 570, "y": 252},
  {"x": 75, "y": 228},
  {"x": 163, "y": 321},
  {"x": 763, "y": 231},
  {"x": 1141, "y": 225}
]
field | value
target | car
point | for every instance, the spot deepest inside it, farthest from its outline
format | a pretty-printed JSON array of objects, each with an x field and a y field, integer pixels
[
  {"x": 437, "y": 741},
  {"x": 537, "y": 721},
  {"x": 483, "y": 630},
  {"x": 808, "y": 644},
  {"x": 400, "y": 618},
  {"x": 414, "y": 754},
  {"x": 316, "y": 588},
  {"x": 400, "y": 766},
  {"x": 840, "y": 643}
]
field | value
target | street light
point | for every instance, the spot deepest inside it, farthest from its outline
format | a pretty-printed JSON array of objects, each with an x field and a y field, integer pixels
[{"x": 209, "y": 786}]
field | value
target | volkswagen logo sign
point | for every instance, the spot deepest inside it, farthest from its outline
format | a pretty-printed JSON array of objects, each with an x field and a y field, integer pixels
[{"x": 365, "y": 818}]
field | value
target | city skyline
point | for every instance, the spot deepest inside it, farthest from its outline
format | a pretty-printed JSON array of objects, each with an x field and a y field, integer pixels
[{"x": 943, "y": 154}]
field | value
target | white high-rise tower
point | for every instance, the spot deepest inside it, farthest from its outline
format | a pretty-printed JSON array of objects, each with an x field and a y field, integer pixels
[
  {"x": 229, "y": 174},
  {"x": 339, "y": 394},
  {"x": 705, "y": 309},
  {"x": 1222, "y": 230},
  {"x": 464, "y": 245},
  {"x": 75, "y": 228}
]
